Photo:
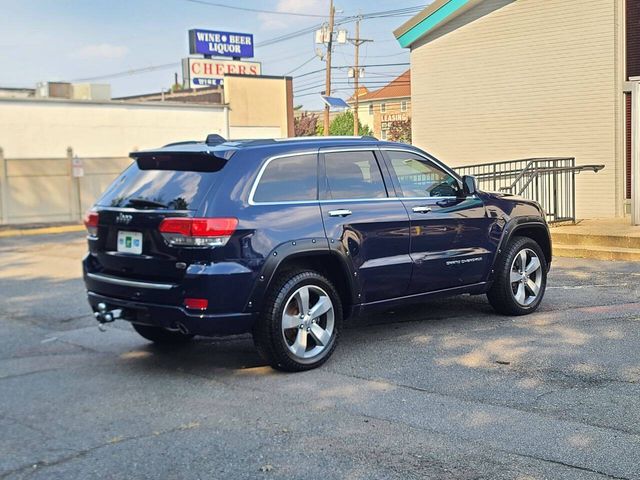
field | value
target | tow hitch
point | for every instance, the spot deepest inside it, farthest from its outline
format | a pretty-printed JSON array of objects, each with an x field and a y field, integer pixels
[{"x": 104, "y": 316}]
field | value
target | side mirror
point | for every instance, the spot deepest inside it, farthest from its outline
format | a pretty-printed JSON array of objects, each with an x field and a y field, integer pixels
[{"x": 469, "y": 185}]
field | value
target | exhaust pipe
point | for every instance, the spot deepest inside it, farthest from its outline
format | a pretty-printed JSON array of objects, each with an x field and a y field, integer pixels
[{"x": 182, "y": 329}]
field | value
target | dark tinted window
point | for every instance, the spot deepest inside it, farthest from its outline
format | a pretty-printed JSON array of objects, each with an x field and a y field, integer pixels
[
  {"x": 418, "y": 178},
  {"x": 164, "y": 182},
  {"x": 289, "y": 179},
  {"x": 353, "y": 175}
]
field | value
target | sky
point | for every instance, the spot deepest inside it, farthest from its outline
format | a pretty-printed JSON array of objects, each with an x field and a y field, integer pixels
[{"x": 89, "y": 40}]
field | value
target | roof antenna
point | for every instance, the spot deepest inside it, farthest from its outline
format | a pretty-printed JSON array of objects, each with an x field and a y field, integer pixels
[{"x": 214, "y": 139}]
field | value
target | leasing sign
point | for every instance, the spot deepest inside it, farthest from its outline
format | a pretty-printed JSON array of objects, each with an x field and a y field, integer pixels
[
  {"x": 220, "y": 44},
  {"x": 205, "y": 72}
]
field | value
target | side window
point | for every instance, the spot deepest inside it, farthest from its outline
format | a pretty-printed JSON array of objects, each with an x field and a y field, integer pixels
[
  {"x": 419, "y": 178},
  {"x": 353, "y": 175},
  {"x": 383, "y": 107},
  {"x": 403, "y": 106},
  {"x": 371, "y": 109},
  {"x": 289, "y": 179}
]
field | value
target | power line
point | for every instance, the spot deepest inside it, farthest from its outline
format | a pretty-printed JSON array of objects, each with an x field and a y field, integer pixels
[
  {"x": 371, "y": 65},
  {"x": 255, "y": 10},
  {"x": 375, "y": 84},
  {"x": 381, "y": 14},
  {"x": 128, "y": 72},
  {"x": 300, "y": 66}
]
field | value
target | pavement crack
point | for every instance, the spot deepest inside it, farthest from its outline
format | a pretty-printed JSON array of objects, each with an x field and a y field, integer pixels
[
  {"x": 83, "y": 453},
  {"x": 473, "y": 400},
  {"x": 26, "y": 374},
  {"x": 25, "y": 424},
  {"x": 570, "y": 465}
]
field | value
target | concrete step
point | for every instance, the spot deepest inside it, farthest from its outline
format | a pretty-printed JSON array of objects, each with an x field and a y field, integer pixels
[
  {"x": 595, "y": 240},
  {"x": 597, "y": 252}
]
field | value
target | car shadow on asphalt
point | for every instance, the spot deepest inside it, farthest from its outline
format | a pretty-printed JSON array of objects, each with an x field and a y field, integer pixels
[{"x": 237, "y": 353}]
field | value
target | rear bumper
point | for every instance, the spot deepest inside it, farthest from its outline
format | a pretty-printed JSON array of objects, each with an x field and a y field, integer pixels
[{"x": 170, "y": 316}]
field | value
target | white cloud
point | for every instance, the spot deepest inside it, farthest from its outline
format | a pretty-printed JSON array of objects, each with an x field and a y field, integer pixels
[
  {"x": 272, "y": 21},
  {"x": 101, "y": 51}
]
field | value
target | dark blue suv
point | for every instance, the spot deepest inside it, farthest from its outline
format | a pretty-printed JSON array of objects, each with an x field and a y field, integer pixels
[{"x": 287, "y": 239}]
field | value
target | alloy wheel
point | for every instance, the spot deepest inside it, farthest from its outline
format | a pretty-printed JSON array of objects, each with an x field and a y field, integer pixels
[
  {"x": 526, "y": 277},
  {"x": 308, "y": 321}
]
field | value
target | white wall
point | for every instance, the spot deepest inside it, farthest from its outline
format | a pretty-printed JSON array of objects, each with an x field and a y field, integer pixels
[{"x": 44, "y": 128}]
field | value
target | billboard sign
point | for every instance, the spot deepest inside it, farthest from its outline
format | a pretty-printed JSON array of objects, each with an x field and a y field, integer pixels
[
  {"x": 206, "y": 72},
  {"x": 220, "y": 44}
]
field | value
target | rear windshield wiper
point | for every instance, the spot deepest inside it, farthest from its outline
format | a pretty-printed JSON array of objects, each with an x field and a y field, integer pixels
[{"x": 143, "y": 202}]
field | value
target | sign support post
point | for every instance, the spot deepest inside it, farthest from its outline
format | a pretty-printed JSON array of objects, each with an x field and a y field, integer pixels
[
  {"x": 327, "y": 90},
  {"x": 356, "y": 76},
  {"x": 4, "y": 185},
  {"x": 635, "y": 153}
]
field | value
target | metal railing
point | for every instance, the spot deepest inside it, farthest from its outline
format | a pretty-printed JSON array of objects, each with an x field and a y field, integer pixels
[{"x": 549, "y": 181}]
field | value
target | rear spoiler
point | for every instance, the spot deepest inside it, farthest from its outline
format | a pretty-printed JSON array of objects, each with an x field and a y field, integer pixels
[{"x": 177, "y": 160}]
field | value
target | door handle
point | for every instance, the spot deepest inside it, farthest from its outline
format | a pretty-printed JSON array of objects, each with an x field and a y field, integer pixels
[
  {"x": 343, "y": 212},
  {"x": 421, "y": 209}
]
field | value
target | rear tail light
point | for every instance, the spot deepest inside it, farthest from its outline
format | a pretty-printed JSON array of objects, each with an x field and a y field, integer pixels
[
  {"x": 198, "y": 232},
  {"x": 196, "y": 303},
  {"x": 91, "y": 223}
]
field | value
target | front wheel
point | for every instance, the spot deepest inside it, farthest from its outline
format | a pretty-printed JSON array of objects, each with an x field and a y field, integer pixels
[
  {"x": 301, "y": 322},
  {"x": 521, "y": 278}
]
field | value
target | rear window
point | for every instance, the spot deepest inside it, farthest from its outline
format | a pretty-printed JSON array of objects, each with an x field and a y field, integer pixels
[{"x": 164, "y": 181}]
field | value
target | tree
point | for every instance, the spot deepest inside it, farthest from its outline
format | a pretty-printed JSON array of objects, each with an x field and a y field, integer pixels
[
  {"x": 399, "y": 131},
  {"x": 305, "y": 125},
  {"x": 343, "y": 125}
]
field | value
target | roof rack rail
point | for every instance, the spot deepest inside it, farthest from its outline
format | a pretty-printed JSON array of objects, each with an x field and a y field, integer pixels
[
  {"x": 175, "y": 144},
  {"x": 329, "y": 137}
]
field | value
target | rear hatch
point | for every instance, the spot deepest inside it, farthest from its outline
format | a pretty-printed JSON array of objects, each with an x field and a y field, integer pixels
[{"x": 158, "y": 185}]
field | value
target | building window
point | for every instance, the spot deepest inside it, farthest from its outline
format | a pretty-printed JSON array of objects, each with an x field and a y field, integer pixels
[
  {"x": 371, "y": 109},
  {"x": 383, "y": 107},
  {"x": 403, "y": 106},
  {"x": 383, "y": 135}
]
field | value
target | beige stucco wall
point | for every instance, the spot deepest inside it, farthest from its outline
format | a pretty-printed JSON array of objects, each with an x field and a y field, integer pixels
[
  {"x": 260, "y": 102},
  {"x": 363, "y": 115},
  {"x": 393, "y": 105},
  {"x": 44, "y": 190},
  {"x": 45, "y": 128},
  {"x": 526, "y": 78}
]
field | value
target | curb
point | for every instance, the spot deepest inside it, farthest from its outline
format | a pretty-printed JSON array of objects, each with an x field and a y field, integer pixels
[{"x": 27, "y": 232}]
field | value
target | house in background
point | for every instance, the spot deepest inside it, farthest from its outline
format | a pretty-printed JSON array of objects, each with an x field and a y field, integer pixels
[
  {"x": 505, "y": 79},
  {"x": 379, "y": 108}
]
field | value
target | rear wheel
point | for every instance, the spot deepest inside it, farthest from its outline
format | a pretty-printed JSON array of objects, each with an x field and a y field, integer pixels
[
  {"x": 301, "y": 322},
  {"x": 161, "y": 335},
  {"x": 521, "y": 278}
]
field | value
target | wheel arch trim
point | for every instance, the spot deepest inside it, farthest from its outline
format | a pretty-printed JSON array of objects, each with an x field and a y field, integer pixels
[
  {"x": 519, "y": 224},
  {"x": 300, "y": 249}
]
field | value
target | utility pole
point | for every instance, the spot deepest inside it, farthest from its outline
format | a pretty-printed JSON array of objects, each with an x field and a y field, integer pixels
[
  {"x": 357, "y": 41},
  {"x": 327, "y": 90}
]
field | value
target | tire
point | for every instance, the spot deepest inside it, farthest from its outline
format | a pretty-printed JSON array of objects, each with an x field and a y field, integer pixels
[
  {"x": 291, "y": 346},
  {"x": 514, "y": 289},
  {"x": 161, "y": 335}
]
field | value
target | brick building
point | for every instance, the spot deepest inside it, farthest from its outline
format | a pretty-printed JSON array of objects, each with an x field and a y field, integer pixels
[{"x": 379, "y": 108}]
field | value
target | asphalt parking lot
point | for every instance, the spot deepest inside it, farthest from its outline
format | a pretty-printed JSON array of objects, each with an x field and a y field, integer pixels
[{"x": 447, "y": 390}]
